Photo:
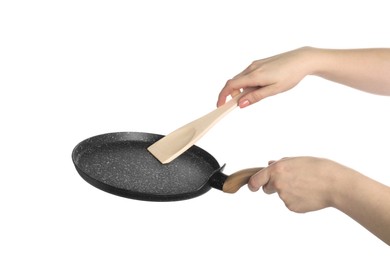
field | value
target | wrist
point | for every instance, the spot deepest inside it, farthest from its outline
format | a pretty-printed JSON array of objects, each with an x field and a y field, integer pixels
[
  {"x": 313, "y": 59},
  {"x": 344, "y": 182}
]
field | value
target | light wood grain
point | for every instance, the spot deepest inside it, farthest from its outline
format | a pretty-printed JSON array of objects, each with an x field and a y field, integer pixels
[
  {"x": 174, "y": 144},
  {"x": 238, "y": 179}
]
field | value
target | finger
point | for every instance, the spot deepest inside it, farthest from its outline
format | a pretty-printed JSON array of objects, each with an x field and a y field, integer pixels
[
  {"x": 235, "y": 92},
  {"x": 257, "y": 95},
  {"x": 234, "y": 85},
  {"x": 259, "y": 179},
  {"x": 228, "y": 89},
  {"x": 271, "y": 162},
  {"x": 225, "y": 92},
  {"x": 269, "y": 188}
]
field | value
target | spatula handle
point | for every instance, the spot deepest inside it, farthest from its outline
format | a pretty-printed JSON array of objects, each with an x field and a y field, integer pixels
[{"x": 238, "y": 179}]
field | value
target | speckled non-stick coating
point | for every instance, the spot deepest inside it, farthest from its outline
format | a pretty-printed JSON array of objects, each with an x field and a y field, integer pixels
[{"x": 120, "y": 163}]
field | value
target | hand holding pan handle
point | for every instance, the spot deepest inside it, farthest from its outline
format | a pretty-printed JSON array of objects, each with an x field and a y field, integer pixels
[
  {"x": 238, "y": 179},
  {"x": 233, "y": 182}
]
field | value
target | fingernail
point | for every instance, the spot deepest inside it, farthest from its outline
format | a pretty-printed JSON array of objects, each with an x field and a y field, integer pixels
[
  {"x": 271, "y": 162},
  {"x": 244, "y": 103}
]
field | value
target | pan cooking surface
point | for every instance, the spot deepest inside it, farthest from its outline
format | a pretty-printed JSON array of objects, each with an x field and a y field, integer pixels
[{"x": 120, "y": 163}]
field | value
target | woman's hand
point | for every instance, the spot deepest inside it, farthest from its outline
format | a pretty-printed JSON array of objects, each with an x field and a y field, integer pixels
[
  {"x": 308, "y": 184},
  {"x": 363, "y": 69},
  {"x": 303, "y": 183},
  {"x": 269, "y": 76}
]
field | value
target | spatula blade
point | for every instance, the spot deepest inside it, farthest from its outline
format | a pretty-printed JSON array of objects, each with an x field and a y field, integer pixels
[{"x": 172, "y": 145}]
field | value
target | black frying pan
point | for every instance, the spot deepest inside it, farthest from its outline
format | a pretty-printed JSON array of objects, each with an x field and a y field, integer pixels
[{"x": 119, "y": 163}]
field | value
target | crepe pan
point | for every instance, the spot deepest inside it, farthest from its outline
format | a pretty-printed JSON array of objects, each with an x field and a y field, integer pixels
[{"x": 119, "y": 163}]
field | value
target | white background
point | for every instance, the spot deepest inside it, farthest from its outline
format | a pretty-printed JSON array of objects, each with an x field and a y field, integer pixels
[{"x": 70, "y": 70}]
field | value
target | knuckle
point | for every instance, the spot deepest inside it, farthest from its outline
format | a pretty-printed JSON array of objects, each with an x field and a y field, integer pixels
[
  {"x": 278, "y": 167},
  {"x": 254, "y": 65},
  {"x": 256, "y": 95},
  {"x": 228, "y": 83}
]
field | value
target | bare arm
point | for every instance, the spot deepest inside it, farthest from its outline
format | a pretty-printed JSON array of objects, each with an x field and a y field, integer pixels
[
  {"x": 366, "y": 201},
  {"x": 308, "y": 183},
  {"x": 364, "y": 69}
]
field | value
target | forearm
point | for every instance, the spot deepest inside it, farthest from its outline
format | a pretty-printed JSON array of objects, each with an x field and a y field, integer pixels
[
  {"x": 364, "y": 200},
  {"x": 364, "y": 69}
]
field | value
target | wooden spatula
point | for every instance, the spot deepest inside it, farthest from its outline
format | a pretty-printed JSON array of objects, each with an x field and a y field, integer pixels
[{"x": 174, "y": 144}]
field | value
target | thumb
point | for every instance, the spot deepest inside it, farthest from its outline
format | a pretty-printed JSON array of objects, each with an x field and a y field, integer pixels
[{"x": 259, "y": 179}]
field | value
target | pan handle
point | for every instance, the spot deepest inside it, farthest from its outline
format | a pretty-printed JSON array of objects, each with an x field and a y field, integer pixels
[{"x": 238, "y": 179}]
